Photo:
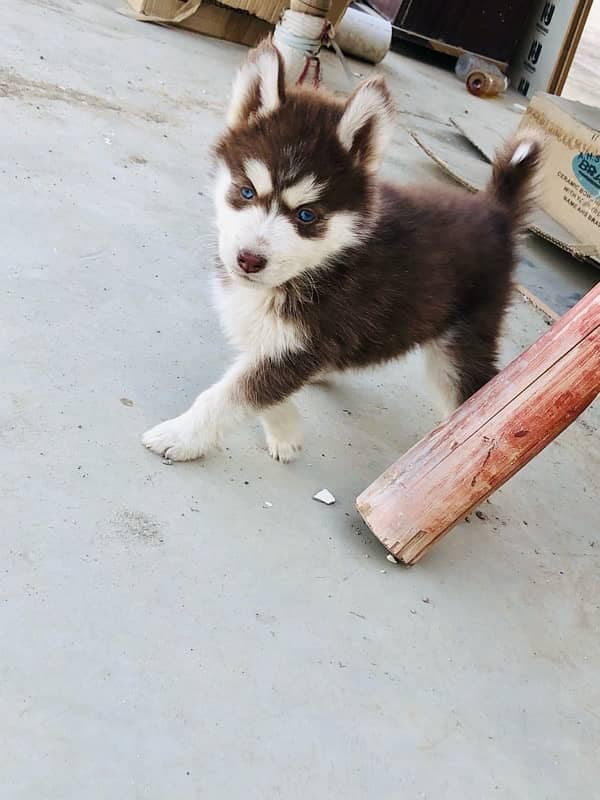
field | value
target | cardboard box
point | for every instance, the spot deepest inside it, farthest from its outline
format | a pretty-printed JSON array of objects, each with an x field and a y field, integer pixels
[
  {"x": 207, "y": 18},
  {"x": 570, "y": 176},
  {"x": 228, "y": 24},
  {"x": 180, "y": 11},
  {"x": 229, "y": 19}
]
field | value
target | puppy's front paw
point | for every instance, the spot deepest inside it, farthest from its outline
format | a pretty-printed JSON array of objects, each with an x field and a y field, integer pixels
[
  {"x": 176, "y": 439},
  {"x": 283, "y": 431},
  {"x": 282, "y": 450}
]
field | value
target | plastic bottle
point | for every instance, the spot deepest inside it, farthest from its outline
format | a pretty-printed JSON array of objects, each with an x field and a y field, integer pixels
[
  {"x": 468, "y": 63},
  {"x": 483, "y": 83},
  {"x": 482, "y": 78}
]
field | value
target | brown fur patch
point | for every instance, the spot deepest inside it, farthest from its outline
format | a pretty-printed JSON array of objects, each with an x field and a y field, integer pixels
[{"x": 432, "y": 262}]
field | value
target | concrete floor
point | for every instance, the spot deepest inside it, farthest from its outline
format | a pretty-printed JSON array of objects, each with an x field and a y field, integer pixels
[{"x": 165, "y": 634}]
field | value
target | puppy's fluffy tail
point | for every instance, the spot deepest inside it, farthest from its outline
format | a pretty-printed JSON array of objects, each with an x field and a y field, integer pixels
[{"x": 513, "y": 177}]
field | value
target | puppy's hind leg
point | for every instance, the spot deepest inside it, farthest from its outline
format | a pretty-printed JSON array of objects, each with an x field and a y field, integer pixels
[
  {"x": 442, "y": 374},
  {"x": 459, "y": 363}
]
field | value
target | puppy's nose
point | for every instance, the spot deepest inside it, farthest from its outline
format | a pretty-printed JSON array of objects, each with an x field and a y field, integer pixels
[{"x": 250, "y": 262}]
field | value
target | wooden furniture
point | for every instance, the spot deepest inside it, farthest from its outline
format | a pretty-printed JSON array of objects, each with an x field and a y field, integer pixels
[
  {"x": 490, "y": 28},
  {"x": 489, "y": 438}
]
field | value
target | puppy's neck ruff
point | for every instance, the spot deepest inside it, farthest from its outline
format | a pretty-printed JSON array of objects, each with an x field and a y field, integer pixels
[{"x": 253, "y": 321}]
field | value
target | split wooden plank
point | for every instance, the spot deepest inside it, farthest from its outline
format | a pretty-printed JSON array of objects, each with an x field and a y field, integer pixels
[{"x": 489, "y": 438}]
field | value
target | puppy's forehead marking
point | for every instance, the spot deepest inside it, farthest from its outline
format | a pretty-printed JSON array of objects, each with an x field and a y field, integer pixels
[
  {"x": 306, "y": 190},
  {"x": 259, "y": 175},
  {"x": 291, "y": 163}
]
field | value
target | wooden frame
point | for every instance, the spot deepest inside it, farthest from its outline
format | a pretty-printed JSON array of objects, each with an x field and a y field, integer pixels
[{"x": 569, "y": 48}]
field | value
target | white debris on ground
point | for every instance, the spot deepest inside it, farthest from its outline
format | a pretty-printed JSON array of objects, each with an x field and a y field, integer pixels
[
  {"x": 391, "y": 559},
  {"x": 324, "y": 496}
]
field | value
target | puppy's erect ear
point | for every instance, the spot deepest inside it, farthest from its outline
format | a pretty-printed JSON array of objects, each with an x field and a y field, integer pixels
[
  {"x": 366, "y": 124},
  {"x": 259, "y": 86}
]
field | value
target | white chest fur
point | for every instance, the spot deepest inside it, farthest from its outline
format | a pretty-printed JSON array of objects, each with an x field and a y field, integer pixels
[{"x": 250, "y": 320}]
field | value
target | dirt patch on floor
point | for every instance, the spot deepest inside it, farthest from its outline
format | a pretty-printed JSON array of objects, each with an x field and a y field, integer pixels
[
  {"x": 14, "y": 85},
  {"x": 137, "y": 527}
]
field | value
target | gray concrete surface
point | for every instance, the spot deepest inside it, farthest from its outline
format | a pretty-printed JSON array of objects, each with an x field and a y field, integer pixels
[{"x": 166, "y": 635}]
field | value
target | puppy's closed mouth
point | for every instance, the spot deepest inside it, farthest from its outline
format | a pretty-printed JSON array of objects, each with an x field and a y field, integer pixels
[{"x": 244, "y": 277}]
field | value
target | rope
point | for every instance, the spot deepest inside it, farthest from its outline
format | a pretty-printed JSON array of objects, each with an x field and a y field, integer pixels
[
  {"x": 306, "y": 44},
  {"x": 306, "y": 35}
]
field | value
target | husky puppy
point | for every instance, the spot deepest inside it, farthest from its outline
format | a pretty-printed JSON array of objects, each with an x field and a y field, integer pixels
[{"x": 325, "y": 267}]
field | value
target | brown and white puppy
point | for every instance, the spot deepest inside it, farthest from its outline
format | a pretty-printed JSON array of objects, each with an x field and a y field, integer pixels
[{"x": 323, "y": 267}]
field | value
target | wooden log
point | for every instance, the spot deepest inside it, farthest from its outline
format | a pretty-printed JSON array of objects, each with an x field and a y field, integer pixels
[
  {"x": 316, "y": 8},
  {"x": 489, "y": 438}
]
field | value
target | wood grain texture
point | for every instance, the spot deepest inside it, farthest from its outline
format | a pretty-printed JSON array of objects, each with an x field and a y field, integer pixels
[{"x": 489, "y": 438}]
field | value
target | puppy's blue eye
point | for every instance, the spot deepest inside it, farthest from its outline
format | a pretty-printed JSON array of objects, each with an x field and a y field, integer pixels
[
  {"x": 306, "y": 216},
  {"x": 247, "y": 193}
]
